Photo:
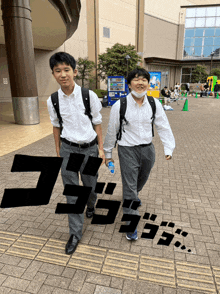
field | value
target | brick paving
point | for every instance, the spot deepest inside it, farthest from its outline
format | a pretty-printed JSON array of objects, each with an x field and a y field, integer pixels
[{"x": 184, "y": 191}]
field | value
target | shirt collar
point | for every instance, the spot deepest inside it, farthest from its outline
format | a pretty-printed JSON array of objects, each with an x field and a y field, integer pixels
[
  {"x": 73, "y": 94},
  {"x": 134, "y": 102}
]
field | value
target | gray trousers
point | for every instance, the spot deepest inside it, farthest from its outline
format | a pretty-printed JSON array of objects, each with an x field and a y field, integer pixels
[
  {"x": 72, "y": 178},
  {"x": 135, "y": 163}
]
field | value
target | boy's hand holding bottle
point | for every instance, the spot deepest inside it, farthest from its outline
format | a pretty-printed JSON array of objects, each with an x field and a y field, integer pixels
[{"x": 110, "y": 164}]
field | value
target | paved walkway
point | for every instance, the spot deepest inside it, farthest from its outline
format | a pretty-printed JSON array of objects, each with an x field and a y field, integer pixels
[{"x": 180, "y": 202}]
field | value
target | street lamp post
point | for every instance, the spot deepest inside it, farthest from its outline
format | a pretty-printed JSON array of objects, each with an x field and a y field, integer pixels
[
  {"x": 212, "y": 54},
  {"x": 127, "y": 57}
]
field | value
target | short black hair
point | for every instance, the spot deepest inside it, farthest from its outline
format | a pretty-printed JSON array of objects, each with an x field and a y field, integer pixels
[
  {"x": 138, "y": 72},
  {"x": 62, "y": 57}
]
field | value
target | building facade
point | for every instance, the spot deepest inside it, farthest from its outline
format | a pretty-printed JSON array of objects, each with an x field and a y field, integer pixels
[
  {"x": 171, "y": 36},
  {"x": 191, "y": 37}
]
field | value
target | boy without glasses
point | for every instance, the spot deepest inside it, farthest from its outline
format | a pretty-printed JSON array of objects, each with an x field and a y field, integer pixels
[
  {"x": 135, "y": 148},
  {"x": 77, "y": 136}
]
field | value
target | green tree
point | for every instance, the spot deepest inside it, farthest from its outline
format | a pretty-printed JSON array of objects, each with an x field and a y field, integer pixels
[
  {"x": 85, "y": 68},
  {"x": 199, "y": 74},
  {"x": 113, "y": 62},
  {"x": 216, "y": 72}
]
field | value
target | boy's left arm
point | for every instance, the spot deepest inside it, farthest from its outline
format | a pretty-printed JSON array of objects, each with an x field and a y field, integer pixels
[
  {"x": 164, "y": 131},
  {"x": 98, "y": 130},
  {"x": 96, "y": 107}
]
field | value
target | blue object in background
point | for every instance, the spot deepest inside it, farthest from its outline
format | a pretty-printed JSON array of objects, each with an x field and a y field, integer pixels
[
  {"x": 155, "y": 80},
  {"x": 111, "y": 167},
  {"x": 117, "y": 88}
]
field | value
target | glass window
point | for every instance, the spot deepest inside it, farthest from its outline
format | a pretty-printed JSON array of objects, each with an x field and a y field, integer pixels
[
  {"x": 190, "y": 12},
  {"x": 211, "y": 11},
  {"x": 186, "y": 70},
  {"x": 189, "y": 42},
  {"x": 208, "y": 41},
  {"x": 200, "y": 12},
  {"x": 185, "y": 79},
  {"x": 217, "y": 24},
  {"x": 197, "y": 51},
  {"x": 106, "y": 32},
  {"x": 217, "y": 32},
  {"x": 198, "y": 42},
  {"x": 189, "y": 33},
  {"x": 210, "y": 22},
  {"x": 199, "y": 32},
  {"x": 209, "y": 32},
  {"x": 200, "y": 22},
  {"x": 190, "y": 23},
  {"x": 202, "y": 32},
  {"x": 187, "y": 51},
  {"x": 216, "y": 50},
  {"x": 216, "y": 41},
  {"x": 207, "y": 51}
]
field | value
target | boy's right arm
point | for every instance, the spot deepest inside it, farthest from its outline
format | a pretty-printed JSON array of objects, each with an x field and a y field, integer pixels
[
  {"x": 56, "y": 134},
  {"x": 113, "y": 127},
  {"x": 55, "y": 123}
]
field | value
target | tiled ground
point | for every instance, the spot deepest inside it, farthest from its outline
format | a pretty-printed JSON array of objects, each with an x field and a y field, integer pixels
[
  {"x": 184, "y": 191},
  {"x": 13, "y": 136}
]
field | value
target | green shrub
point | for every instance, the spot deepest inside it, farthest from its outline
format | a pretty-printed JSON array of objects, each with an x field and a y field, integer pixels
[{"x": 100, "y": 93}]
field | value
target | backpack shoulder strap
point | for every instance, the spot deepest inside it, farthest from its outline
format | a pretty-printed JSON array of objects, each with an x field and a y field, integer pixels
[
  {"x": 123, "y": 106},
  {"x": 86, "y": 101},
  {"x": 153, "y": 106},
  {"x": 55, "y": 102}
]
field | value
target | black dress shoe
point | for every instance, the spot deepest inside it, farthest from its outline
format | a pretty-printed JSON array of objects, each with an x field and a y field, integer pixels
[
  {"x": 90, "y": 212},
  {"x": 71, "y": 244}
]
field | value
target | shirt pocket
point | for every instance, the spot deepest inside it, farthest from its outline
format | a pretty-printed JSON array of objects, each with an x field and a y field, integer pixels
[
  {"x": 132, "y": 119},
  {"x": 66, "y": 111}
]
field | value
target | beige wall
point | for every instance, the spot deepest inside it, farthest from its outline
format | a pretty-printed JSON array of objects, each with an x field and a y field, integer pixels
[
  {"x": 160, "y": 38},
  {"x": 203, "y": 2},
  {"x": 165, "y": 9},
  {"x": 46, "y": 84},
  {"x": 77, "y": 44},
  {"x": 140, "y": 28},
  {"x": 49, "y": 30},
  {"x": 120, "y": 17},
  {"x": 5, "y": 91}
]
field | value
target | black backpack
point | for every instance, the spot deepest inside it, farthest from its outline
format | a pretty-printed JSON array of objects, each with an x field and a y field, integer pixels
[
  {"x": 123, "y": 106},
  {"x": 86, "y": 101}
]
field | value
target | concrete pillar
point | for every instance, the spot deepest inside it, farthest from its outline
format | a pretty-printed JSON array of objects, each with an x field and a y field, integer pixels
[
  {"x": 139, "y": 34},
  {"x": 93, "y": 36},
  {"x": 16, "y": 15}
]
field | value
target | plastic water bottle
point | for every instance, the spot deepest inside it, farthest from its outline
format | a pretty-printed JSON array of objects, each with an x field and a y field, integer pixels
[{"x": 111, "y": 167}]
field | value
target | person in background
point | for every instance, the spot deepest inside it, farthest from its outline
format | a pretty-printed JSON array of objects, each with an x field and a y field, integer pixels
[
  {"x": 216, "y": 89},
  {"x": 187, "y": 88},
  {"x": 201, "y": 90},
  {"x": 176, "y": 92},
  {"x": 206, "y": 87},
  {"x": 177, "y": 87},
  {"x": 166, "y": 94},
  {"x": 171, "y": 93}
]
